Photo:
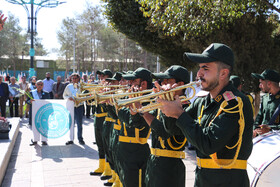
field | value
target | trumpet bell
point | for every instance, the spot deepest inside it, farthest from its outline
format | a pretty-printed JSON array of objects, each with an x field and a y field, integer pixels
[{"x": 168, "y": 95}]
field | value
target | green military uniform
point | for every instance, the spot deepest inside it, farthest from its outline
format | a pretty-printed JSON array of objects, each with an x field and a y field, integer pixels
[
  {"x": 236, "y": 83},
  {"x": 269, "y": 104},
  {"x": 133, "y": 149},
  {"x": 108, "y": 125},
  {"x": 165, "y": 166},
  {"x": 220, "y": 128},
  {"x": 222, "y": 132},
  {"x": 99, "y": 118},
  {"x": 132, "y": 153},
  {"x": 114, "y": 138}
]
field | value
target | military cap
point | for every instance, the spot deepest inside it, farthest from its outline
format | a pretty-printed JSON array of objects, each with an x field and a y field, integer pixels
[
  {"x": 105, "y": 72},
  {"x": 267, "y": 74},
  {"x": 142, "y": 73},
  {"x": 174, "y": 72},
  {"x": 235, "y": 80},
  {"x": 117, "y": 77},
  {"x": 214, "y": 52},
  {"x": 98, "y": 72}
]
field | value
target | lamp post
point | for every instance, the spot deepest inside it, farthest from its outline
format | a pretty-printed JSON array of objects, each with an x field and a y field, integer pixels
[{"x": 29, "y": 6}]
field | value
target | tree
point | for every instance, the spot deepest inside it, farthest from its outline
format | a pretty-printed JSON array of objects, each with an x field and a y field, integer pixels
[
  {"x": 65, "y": 38},
  {"x": 11, "y": 41},
  {"x": 92, "y": 22},
  {"x": 126, "y": 17},
  {"x": 170, "y": 28}
]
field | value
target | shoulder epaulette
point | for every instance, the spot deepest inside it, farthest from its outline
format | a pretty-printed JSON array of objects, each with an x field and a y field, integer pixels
[{"x": 228, "y": 95}]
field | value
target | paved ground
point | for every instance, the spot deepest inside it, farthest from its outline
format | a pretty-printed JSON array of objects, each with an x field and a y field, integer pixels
[{"x": 61, "y": 165}]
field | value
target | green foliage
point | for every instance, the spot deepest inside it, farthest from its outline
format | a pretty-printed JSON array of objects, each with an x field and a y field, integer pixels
[
  {"x": 95, "y": 40},
  {"x": 126, "y": 17},
  {"x": 196, "y": 17},
  {"x": 170, "y": 28}
]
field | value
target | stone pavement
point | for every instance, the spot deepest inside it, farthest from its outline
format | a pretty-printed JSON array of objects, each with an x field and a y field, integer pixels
[{"x": 61, "y": 165}]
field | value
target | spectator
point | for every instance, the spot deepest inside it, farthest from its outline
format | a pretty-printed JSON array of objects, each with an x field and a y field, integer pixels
[
  {"x": 4, "y": 95},
  {"x": 69, "y": 93},
  {"x": 48, "y": 83},
  {"x": 38, "y": 93},
  {"x": 23, "y": 86},
  {"x": 7, "y": 78},
  {"x": 58, "y": 88},
  {"x": 32, "y": 85},
  {"x": 85, "y": 78},
  {"x": 13, "y": 97},
  {"x": 92, "y": 78}
]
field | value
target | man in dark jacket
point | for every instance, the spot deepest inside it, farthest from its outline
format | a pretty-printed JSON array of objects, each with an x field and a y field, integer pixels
[{"x": 4, "y": 95}]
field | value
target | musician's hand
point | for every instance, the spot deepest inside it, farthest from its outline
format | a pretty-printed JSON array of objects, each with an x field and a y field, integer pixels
[
  {"x": 255, "y": 133},
  {"x": 171, "y": 108},
  {"x": 157, "y": 87},
  {"x": 133, "y": 108},
  {"x": 263, "y": 129},
  {"x": 31, "y": 100},
  {"x": 71, "y": 99}
]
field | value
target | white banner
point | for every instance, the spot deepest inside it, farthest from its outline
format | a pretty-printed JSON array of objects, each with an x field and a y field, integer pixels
[{"x": 52, "y": 119}]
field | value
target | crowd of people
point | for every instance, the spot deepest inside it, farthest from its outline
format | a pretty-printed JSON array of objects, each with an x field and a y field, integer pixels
[{"x": 218, "y": 123}]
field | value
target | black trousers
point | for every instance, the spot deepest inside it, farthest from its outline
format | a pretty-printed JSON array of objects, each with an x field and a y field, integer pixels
[
  {"x": 11, "y": 107},
  {"x": 3, "y": 106}
]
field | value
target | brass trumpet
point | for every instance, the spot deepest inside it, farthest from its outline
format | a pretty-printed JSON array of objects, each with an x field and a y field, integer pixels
[
  {"x": 168, "y": 95},
  {"x": 78, "y": 100},
  {"x": 99, "y": 98}
]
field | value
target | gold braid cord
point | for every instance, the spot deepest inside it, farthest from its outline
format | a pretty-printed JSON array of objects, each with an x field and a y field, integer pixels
[{"x": 241, "y": 130}]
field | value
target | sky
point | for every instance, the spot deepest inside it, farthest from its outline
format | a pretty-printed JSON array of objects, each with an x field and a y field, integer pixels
[{"x": 48, "y": 19}]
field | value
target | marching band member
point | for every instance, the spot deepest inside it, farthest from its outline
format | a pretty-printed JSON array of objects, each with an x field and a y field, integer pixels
[
  {"x": 269, "y": 84},
  {"x": 133, "y": 149},
  {"x": 99, "y": 117},
  {"x": 165, "y": 166},
  {"x": 219, "y": 125},
  {"x": 110, "y": 135}
]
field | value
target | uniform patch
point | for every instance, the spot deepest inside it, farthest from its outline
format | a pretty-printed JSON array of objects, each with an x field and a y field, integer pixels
[
  {"x": 228, "y": 95},
  {"x": 218, "y": 98}
]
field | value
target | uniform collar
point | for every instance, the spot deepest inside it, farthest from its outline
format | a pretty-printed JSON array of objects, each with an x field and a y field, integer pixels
[
  {"x": 272, "y": 97},
  {"x": 221, "y": 96}
]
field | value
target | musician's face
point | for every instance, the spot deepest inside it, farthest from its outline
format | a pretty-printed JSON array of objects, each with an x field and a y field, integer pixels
[
  {"x": 208, "y": 73},
  {"x": 264, "y": 86},
  {"x": 114, "y": 83},
  {"x": 136, "y": 82},
  {"x": 75, "y": 79},
  {"x": 123, "y": 82}
]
